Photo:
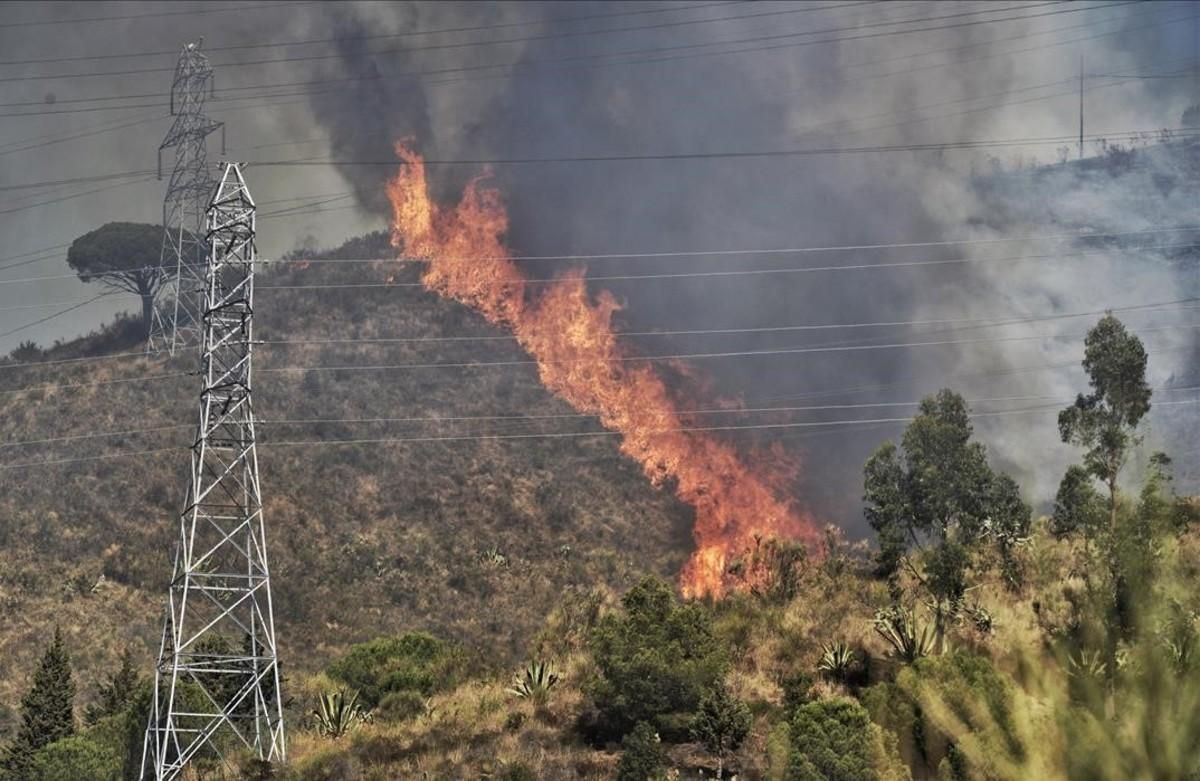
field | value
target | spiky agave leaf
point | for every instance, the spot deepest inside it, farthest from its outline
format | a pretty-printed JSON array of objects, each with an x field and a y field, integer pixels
[
  {"x": 337, "y": 713},
  {"x": 901, "y": 629},
  {"x": 837, "y": 659},
  {"x": 535, "y": 681}
]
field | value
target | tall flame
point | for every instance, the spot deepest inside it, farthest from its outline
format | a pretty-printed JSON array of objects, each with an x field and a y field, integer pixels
[{"x": 569, "y": 333}]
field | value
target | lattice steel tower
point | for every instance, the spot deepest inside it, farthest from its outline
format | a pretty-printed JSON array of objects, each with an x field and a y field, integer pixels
[
  {"x": 216, "y": 688},
  {"x": 176, "y": 319}
]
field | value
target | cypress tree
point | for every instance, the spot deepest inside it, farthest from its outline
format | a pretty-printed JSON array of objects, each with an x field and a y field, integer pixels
[
  {"x": 117, "y": 693},
  {"x": 47, "y": 711}
]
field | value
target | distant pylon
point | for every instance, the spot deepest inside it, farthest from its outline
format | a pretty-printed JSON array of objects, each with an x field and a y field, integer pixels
[
  {"x": 176, "y": 318},
  {"x": 216, "y": 687}
]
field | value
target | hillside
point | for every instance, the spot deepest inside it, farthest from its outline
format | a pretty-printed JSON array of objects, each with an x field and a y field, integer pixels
[
  {"x": 470, "y": 540},
  {"x": 414, "y": 579}
]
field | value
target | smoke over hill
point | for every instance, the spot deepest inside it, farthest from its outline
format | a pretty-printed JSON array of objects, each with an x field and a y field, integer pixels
[{"x": 542, "y": 81}]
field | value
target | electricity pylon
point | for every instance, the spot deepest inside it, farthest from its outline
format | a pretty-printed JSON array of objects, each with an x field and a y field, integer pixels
[
  {"x": 216, "y": 687},
  {"x": 176, "y": 318}
]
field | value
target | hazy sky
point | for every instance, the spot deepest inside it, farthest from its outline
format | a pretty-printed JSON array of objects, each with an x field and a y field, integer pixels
[{"x": 344, "y": 80}]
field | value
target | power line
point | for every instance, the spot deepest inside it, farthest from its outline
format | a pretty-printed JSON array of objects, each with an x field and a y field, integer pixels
[
  {"x": 42, "y": 254},
  {"x": 735, "y": 272},
  {"x": 684, "y": 356},
  {"x": 1022, "y": 36},
  {"x": 45, "y": 305},
  {"x": 71, "y": 196},
  {"x": 96, "y": 435},
  {"x": 977, "y": 322},
  {"x": 96, "y": 383},
  {"x": 619, "y": 359},
  {"x": 449, "y": 46},
  {"x": 79, "y": 180},
  {"x": 83, "y": 359},
  {"x": 40, "y": 142},
  {"x": 18, "y": 329},
  {"x": 719, "y": 253},
  {"x": 683, "y": 412},
  {"x": 102, "y": 457},
  {"x": 411, "y": 33},
  {"x": 142, "y": 15},
  {"x": 530, "y": 65},
  {"x": 563, "y": 416},
  {"x": 931, "y": 146},
  {"x": 769, "y": 251},
  {"x": 560, "y": 435},
  {"x": 988, "y": 107},
  {"x": 906, "y": 71},
  {"x": 985, "y": 322}
]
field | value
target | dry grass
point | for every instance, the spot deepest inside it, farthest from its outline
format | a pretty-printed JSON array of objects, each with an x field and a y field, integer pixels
[{"x": 365, "y": 540}]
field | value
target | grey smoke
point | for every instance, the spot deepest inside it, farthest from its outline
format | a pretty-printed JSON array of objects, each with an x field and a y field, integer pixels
[{"x": 554, "y": 101}]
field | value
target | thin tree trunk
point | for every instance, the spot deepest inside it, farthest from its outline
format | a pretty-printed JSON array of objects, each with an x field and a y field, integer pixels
[
  {"x": 147, "y": 312},
  {"x": 1112, "y": 502}
]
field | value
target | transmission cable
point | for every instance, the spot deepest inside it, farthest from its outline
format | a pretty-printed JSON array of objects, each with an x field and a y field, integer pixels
[
  {"x": 526, "y": 64},
  {"x": 144, "y": 14},
  {"x": 411, "y": 33},
  {"x": 728, "y": 252},
  {"x": 463, "y": 45}
]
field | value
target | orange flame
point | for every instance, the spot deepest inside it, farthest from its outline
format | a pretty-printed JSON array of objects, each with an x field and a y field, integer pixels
[{"x": 570, "y": 335}]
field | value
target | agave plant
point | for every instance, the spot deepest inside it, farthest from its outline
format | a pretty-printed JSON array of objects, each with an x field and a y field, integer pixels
[
  {"x": 837, "y": 660},
  {"x": 1087, "y": 664},
  {"x": 534, "y": 682},
  {"x": 338, "y": 713},
  {"x": 900, "y": 628}
]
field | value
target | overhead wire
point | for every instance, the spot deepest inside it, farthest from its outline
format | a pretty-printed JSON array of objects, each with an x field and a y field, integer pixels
[
  {"x": 978, "y": 322},
  {"x": 682, "y": 356},
  {"x": 376, "y": 36},
  {"x": 268, "y": 422},
  {"x": 527, "y": 66},
  {"x": 618, "y": 359},
  {"x": 207, "y": 9},
  {"x": 551, "y": 435},
  {"x": 72, "y": 196},
  {"x": 725, "y": 253},
  {"x": 48, "y": 318},
  {"x": 737, "y": 272},
  {"x": 938, "y": 146},
  {"x": 1125, "y": 29},
  {"x": 450, "y": 46},
  {"x": 929, "y": 146}
]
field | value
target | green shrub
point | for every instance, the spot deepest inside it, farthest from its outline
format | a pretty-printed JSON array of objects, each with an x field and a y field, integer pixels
[
  {"x": 655, "y": 661},
  {"x": 967, "y": 686},
  {"x": 721, "y": 724},
  {"x": 831, "y": 741},
  {"x": 797, "y": 691},
  {"x": 255, "y": 769},
  {"x": 642, "y": 755},
  {"x": 412, "y": 662},
  {"x": 77, "y": 758},
  {"x": 400, "y": 706},
  {"x": 517, "y": 771}
]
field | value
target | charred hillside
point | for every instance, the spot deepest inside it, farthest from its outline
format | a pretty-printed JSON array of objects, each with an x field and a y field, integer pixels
[{"x": 470, "y": 539}]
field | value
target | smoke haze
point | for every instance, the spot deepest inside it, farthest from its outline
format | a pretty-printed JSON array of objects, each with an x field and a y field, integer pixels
[{"x": 661, "y": 82}]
